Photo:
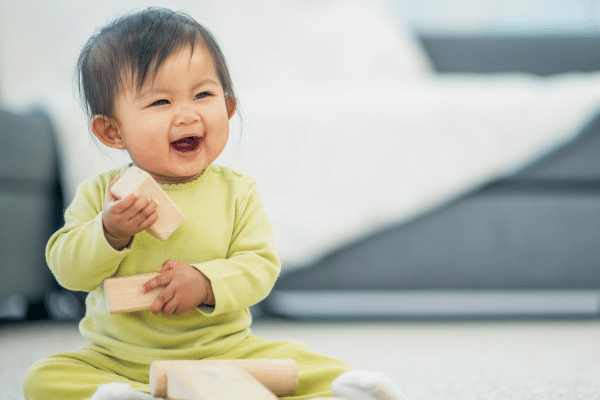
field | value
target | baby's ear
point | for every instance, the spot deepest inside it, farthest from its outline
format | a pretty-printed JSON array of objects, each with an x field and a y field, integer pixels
[
  {"x": 107, "y": 131},
  {"x": 231, "y": 104}
]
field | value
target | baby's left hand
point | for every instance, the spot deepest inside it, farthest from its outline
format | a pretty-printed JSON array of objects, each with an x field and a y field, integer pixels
[{"x": 186, "y": 288}]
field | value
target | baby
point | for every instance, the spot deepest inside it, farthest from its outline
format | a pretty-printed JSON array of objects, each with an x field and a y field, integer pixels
[{"x": 155, "y": 84}]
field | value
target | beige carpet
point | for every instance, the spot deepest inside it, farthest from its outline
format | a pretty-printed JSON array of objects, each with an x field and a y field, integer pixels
[{"x": 541, "y": 360}]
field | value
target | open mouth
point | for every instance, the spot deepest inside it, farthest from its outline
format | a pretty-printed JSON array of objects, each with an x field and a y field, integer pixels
[{"x": 186, "y": 144}]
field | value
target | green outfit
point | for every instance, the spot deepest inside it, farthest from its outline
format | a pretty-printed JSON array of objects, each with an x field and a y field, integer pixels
[{"x": 226, "y": 235}]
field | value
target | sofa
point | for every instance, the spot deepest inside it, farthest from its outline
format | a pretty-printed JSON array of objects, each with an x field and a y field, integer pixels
[
  {"x": 522, "y": 244},
  {"x": 30, "y": 210}
]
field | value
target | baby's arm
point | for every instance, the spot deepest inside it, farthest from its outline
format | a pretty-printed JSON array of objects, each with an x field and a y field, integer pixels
[
  {"x": 79, "y": 254},
  {"x": 123, "y": 218}
]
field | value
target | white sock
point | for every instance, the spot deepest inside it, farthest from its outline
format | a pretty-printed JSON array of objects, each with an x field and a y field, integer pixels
[
  {"x": 119, "y": 391},
  {"x": 366, "y": 385}
]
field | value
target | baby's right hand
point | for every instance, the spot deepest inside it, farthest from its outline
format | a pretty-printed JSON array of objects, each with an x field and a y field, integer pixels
[{"x": 125, "y": 217}]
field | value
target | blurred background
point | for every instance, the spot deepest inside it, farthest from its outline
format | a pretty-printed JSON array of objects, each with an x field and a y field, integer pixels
[{"x": 431, "y": 158}]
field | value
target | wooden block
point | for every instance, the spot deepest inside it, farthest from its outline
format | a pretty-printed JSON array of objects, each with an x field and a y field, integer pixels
[
  {"x": 169, "y": 215},
  {"x": 280, "y": 376},
  {"x": 214, "y": 382},
  {"x": 123, "y": 293}
]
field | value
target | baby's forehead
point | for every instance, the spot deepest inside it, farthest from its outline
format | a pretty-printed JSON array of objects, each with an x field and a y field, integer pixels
[
  {"x": 142, "y": 72},
  {"x": 134, "y": 79}
]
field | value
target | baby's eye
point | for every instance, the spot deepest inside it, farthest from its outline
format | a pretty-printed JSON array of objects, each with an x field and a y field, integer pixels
[
  {"x": 160, "y": 102},
  {"x": 202, "y": 95}
]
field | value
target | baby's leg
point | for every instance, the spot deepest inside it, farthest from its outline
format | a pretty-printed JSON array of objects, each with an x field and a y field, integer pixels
[
  {"x": 316, "y": 372},
  {"x": 77, "y": 375}
]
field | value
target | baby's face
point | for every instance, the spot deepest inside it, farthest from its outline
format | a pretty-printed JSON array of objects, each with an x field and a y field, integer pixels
[{"x": 178, "y": 123}]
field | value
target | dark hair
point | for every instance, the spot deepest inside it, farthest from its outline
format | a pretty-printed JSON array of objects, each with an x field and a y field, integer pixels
[{"x": 136, "y": 45}]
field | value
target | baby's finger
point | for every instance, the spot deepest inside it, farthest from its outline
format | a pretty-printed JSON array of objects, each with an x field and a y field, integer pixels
[
  {"x": 170, "y": 306},
  {"x": 125, "y": 203},
  {"x": 141, "y": 221},
  {"x": 138, "y": 206},
  {"x": 163, "y": 298},
  {"x": 151, "y": 207},
  {"x": 148, "y": 210},
  {"x": 148, "y": 221},
  {"x": 167, "y": 266},
  {"x": 158, "y": 281},
  {"x": 139, "y": 211}
]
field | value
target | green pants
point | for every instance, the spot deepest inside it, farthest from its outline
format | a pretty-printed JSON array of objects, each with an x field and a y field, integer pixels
[{"x": 76, "y": 375}]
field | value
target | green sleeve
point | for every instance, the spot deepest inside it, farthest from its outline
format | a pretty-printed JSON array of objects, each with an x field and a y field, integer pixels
[
  {"x": 78, "y": 254},
  {"x": 249, "y": 272}
]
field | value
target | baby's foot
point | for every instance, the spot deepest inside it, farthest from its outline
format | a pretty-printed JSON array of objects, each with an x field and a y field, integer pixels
[
  {"x": 119, "y": 391},
  {"x": 366, "y": 385}
]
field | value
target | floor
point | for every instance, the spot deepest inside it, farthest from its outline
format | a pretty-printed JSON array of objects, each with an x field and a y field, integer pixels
[{"x": 443, "y": 360}]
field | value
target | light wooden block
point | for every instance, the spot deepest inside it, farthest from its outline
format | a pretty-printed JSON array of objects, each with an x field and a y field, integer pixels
[
  {"x": 280, "y": 376},
  {"x": 214, "y": 382},
  {"x": 169, "y": 215},
  {"x": 123, "y": 293}
]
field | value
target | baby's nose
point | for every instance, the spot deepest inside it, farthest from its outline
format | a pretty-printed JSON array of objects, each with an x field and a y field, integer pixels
[{"x": 186, "y": 115}]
